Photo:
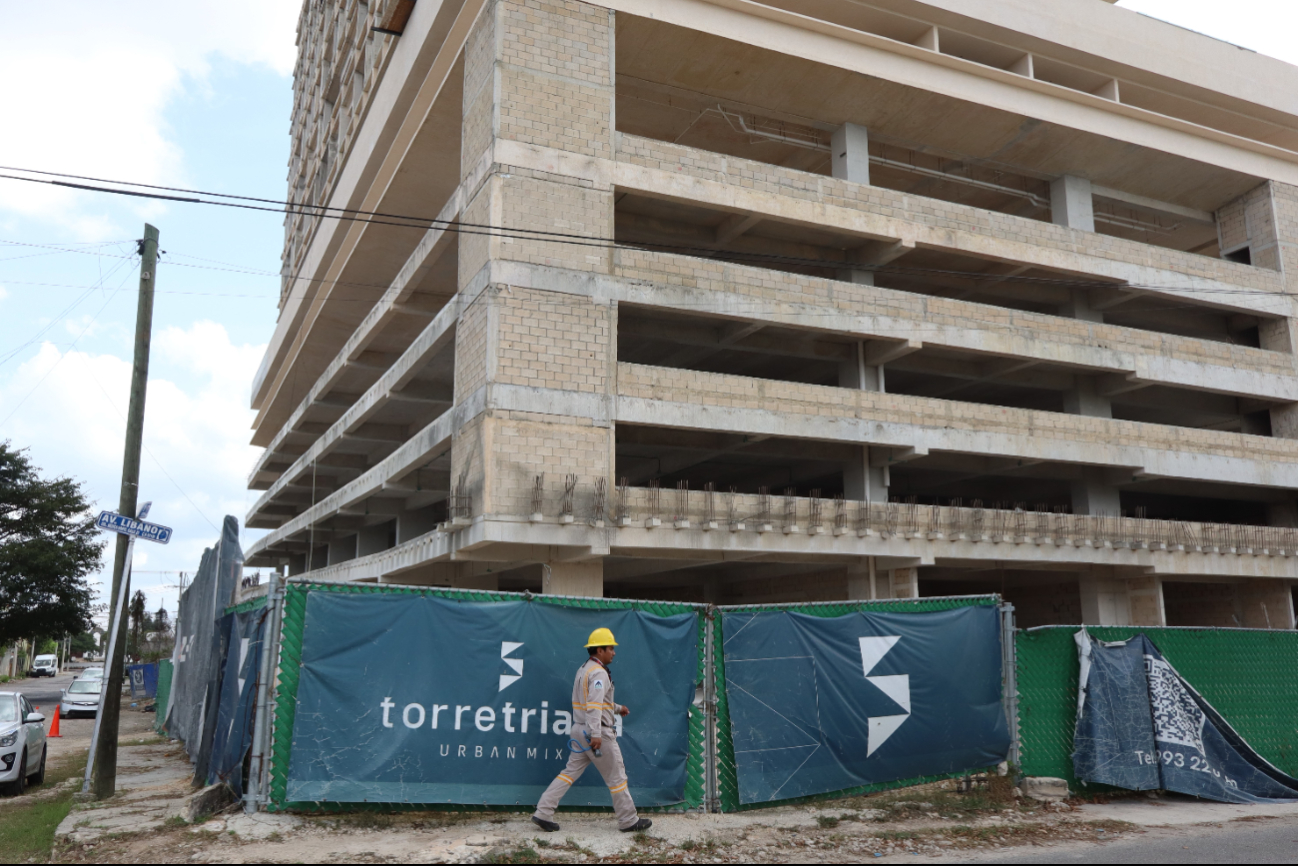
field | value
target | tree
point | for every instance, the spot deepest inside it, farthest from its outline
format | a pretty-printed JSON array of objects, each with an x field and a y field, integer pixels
[
  {"x": 162, "y": 622},
  {"x": 84, "y": 643},
  {"x": 138, "y": 616},
  {"x": 48, "y": 546}
]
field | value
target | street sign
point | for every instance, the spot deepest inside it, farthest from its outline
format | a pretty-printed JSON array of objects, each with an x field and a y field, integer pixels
[{"x": 130, "y": 526}]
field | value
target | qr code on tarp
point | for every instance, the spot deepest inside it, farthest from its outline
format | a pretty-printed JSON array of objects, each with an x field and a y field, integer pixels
[{"x": 1177, "y": 719}]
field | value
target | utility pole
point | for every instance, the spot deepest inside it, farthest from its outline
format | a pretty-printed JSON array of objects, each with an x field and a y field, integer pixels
[{"x": 103, "y": 781}]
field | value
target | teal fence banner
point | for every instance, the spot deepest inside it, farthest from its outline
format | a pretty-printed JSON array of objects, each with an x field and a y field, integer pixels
[
  {"x": 824, "y": 704},
  {"x": 416, "y": 699}
]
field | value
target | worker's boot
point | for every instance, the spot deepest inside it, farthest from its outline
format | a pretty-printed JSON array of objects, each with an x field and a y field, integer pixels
[
  {"x": 639, "y": 826},
  {"x": 547, "y": 826}
]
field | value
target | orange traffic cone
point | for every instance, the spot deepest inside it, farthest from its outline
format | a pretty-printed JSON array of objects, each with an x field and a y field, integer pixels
[{"x": 54, "y": 727}]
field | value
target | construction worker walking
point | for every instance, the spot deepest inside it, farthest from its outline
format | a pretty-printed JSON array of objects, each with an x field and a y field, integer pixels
[{"x": 594, "y": 739}]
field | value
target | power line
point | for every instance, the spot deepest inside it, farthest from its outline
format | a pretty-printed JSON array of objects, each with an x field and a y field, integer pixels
[
  {"x": 63, "y": 315},
  {"x": 487, "y": 230},
  {"x": 68, "y": 352}
]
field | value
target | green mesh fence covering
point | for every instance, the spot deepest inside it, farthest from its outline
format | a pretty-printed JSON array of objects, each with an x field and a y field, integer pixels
[
  {"x": 1250, "y": 676},
  {"x": 290, "y": 659},
  {"x": 727, "y": 781},
  {"x": 244, "y": 607},
  {"x": 163, "y": 695}
]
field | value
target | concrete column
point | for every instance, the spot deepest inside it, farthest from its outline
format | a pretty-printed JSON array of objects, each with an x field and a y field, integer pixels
[
  {"x": 1104, "y": 600},
  {"x": 713, "y": 590},
  {"x": 341, "y": 549},
  {"x": 374, "y": 539},
  {"x": 861, "y": 580},
  {"x": 851, "y": 153},
  {"x": 574, "y": 578},
  {"x": 905, "y": 582},
  {"x": 1071, "y": 204},
  {"x": 1266, "y": 603},
  {"x": 850, "y": 146},
  {"x": 1084, "y": 399},
  {"x": 1277, "y": 335},
  {"x": 412, "y": 524},
  {"x": 1145, "y": 600},
  {"x": 1108, "y": 600},
  {"x": 862, "y": 482},
  {"x": 1091, "y": 494},
  {"x": 1079, "y": 307}
]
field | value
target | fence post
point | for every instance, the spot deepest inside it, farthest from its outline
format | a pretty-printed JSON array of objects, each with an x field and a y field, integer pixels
[
  {"x": 1010, "y": 678},
  {"x": 256, "y": 790},
  {"x": 711, "y": 801}
]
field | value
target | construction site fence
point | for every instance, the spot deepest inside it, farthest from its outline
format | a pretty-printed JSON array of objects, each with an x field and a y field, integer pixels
[
  {"x": 711, "y": 781},
  {"x": 1250, "y": 676}
]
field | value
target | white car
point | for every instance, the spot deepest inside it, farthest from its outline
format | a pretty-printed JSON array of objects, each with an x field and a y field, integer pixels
[
  {"x": 22, "y": 743},
  {"x": 45, "y": 666},
  {"x": 91, "y": 674},
  {"x": 83, "y": 696}
]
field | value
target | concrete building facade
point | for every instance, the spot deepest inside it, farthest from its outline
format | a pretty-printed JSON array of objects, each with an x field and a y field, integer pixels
[{"x": 730, "y": 301}]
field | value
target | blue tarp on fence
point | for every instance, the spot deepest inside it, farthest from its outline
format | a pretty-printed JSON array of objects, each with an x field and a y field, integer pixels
[
  {"x": 417, "y": 699},
  {"x": 1141, "y": 726},
  {"x": 233, "y": 733},
  {"x": 823, "y": 704},
  {"x": 144, "y": 680}
]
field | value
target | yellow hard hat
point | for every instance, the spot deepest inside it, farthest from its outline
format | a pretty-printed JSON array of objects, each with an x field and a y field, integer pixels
[{"x": 601, "y": 637}]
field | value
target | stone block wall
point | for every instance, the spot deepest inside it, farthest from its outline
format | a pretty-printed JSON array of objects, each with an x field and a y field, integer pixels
[{"x": 538, "y": 72}]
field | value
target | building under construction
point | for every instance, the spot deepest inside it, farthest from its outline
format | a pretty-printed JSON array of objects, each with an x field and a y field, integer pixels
[{"x": 737, "y": 301}]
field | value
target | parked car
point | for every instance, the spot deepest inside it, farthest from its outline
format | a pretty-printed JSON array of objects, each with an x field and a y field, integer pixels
[
  {"x": 22, "y": 743},
  {"x": 45, "y": 666},
  {"x": 91, "y": 674},
  {"x": 83, "y": 696}
]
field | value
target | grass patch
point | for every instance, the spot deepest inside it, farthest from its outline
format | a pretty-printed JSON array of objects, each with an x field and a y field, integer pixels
[
  {"x": 27, "y": 829},
  {"x": 518, "y": 855}
]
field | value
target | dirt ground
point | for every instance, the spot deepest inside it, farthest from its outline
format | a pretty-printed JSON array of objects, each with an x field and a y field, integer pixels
[
  {"x": 933, "y": 822},
  {"x": 147, "y": 822}
]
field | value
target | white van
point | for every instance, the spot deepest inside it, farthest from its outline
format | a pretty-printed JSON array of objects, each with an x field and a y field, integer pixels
[{"x": 45, "y": 666}]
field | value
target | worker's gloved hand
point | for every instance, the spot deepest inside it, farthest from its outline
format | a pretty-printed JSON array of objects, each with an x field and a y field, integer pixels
[{"x": 596, "y": 744}]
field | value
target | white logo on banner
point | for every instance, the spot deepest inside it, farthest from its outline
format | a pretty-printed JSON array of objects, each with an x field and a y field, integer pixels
[
  {"x": 507, "y": 680},
  {"x": 896, "y": 686}
]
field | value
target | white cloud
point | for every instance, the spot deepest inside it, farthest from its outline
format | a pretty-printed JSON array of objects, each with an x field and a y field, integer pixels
[
  {"x": 196, "y": 426},
  {"x": 4, "y": 293},
  {"x": 91, "y": 102}
]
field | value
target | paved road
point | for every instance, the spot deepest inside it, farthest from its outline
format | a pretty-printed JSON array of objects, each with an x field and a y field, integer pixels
[
  {"x": 1263, "y": 841},
  {"x": 43, "y": 690}
]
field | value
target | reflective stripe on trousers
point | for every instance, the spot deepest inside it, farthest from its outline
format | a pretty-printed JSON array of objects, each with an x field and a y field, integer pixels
[{"x": 610, "y": 766}]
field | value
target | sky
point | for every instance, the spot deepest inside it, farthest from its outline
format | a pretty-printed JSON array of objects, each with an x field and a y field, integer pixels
[{"x": 194, "y": 94}]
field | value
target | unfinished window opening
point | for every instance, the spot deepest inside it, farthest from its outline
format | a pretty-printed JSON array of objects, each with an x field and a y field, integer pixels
[
  {"x": 745, "y": 462},
  {"x": 1039, "y": 596},
  {"x": 675, "y": 227},
  {"x": 783, "y": 111},
  {"x": 670, "y": 338},
  {"x": 1242, "y": 256}
]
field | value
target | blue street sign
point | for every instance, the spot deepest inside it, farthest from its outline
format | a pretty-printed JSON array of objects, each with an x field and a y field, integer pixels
[{"x": 130, "y": 526}]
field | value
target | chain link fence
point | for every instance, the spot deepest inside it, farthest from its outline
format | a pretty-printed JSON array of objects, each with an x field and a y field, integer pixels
[
  {"x": 1249, "y": 675},
  {"x": 726, "y": 781},
  {"x": 289, "y": 666}
]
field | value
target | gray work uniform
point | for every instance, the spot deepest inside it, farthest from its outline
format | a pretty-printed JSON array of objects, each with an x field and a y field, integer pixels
[{"x": 593, "y": 712}]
